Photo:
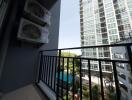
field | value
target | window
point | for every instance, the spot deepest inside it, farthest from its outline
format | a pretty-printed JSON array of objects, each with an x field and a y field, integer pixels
[
  {"x": 118, "y": 55},
  {"x": 106, "y": 54},
  {"x": 120, "y": 65},
  {"x": 109, "y": 9},
  {"x": 102, "y": 19},
  {"x": 108, "y": 5},
  {"x": 113, "y": 31},
  {"x": 104, "y": 36},
  {"x": 118, "y": 16},
  {"x": 117, "y": 11},
  {"x": 130, "y": 80},
  {"x": 103, "y": 25},
  {"x": 113, "y": 25},
  {"x": 105, "y": 41},
  {"x": 114, "y": 38},
  {"x": 122, "y": 75},
  {"x": 127, "y": 27},
  {"x": 110, "y": 20},
  {"x": 110, "y": 14},
  {"x": 108, "y": 68},
  {"x": 121, "y": 27},
  {"x": 98, "y": 30},
  {"x": 103, "y": 30}
]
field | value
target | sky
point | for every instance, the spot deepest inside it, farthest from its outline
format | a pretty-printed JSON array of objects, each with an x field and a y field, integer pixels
[{"x": 69, "y": 35}]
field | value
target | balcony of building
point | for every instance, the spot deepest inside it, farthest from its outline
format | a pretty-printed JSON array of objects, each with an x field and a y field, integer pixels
[
  {"x": 39, "y": 72},
  {"x": 62, "y": 77},
  {"x": 77, "y": 82}
]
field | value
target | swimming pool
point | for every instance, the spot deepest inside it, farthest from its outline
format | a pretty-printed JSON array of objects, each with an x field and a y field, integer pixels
[{"x": 65, "y": 77}]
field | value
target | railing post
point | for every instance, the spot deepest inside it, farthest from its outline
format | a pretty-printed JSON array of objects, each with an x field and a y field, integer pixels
[
  {"x": 116, "y": 81},
  {"x": 89, "y": 75},
  {"x": 55, "y": 73},
  {"x": 62, "y": 83},
  {"x": 67, "y": 78},
  {"x": 73, "y": 87},
  {"x": 101, "y": 80},
  {"x": 80, "y": 66},
  {"x": 129, "y": 53},
  {"x": 58, "y": 74},
  {"x": 40, "y": 66}
]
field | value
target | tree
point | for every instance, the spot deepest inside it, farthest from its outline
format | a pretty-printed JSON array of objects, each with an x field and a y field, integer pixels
[
  {"x": 76, "y": 62},
  {"x": 95, "y": 93}
]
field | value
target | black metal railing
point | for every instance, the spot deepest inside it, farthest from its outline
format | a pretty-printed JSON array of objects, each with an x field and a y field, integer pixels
[{"x": 68, "y": 83}]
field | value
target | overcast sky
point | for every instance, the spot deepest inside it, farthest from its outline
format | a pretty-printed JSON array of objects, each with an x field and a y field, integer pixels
[{"x": 69, "y": 24}]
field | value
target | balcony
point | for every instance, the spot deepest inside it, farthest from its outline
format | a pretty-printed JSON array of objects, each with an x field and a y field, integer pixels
[
  {"x": 64, "y": 75},
  {"x": 55, "y": 76}
]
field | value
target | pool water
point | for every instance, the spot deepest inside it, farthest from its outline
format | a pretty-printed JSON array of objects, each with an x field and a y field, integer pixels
[{"x": 65, "y": 77}]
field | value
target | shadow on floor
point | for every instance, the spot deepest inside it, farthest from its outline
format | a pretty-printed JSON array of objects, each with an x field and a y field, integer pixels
[{"x": 29, "y": 92}]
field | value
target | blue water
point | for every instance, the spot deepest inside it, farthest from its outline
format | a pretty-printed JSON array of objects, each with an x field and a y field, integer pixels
[{"x": 65, "y": 77}]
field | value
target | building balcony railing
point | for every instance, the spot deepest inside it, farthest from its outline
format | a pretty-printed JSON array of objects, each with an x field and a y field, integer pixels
[{"x": 65, "y": 77}]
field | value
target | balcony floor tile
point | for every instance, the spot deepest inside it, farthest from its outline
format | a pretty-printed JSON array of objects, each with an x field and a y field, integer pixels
[{"x": 29, "y": 92}]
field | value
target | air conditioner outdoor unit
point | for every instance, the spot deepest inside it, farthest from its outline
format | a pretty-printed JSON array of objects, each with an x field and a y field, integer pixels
[
  {"x": 32, "y": 32},
  {"x": 36, "y": 10}
]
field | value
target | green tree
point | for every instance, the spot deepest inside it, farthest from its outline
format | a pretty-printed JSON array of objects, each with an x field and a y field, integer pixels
[
  {"x": 95, "y": 93},
  {"x": 76, "y": 62}
]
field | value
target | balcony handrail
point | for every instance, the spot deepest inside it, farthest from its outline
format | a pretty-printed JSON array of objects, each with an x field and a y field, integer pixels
[
  {"x": 95, "y": 59},
  {"x": 86, "y": 47},
  {"x": 50, "y": 70}
]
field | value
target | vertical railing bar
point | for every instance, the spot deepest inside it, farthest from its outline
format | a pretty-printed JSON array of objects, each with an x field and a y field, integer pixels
[
  {"x": 80, "y": 65},
  {"x": 101, "y": 80},
  {"x": 50, "y": 72},
  {"x": 73, "y": 80},
  {"x": 47, "y": 69},
  {"x": 129, "y": 51},
  {"x": 55, "y": 73},
  {"x": 62, "y": 76},
  {"x": 52, "y": 78},
  {"x": 45, "y": 73},
  {"x": 40, "y": 64},
  {"x": 42, "y": 74},
  {"x": 89, "y": 75},
  {"x": 67, "y": 78},
  {"x": 44, "y": 70},
  {"x": 46, "y": 64},
  {"x": 58, "y": 78},
  {"x": 116, "y": 81}
]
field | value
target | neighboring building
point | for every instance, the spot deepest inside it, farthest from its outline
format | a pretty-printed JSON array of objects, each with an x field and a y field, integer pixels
[
  {"x": 103, "y": 22},
  {"x": 124, "y": 70}
]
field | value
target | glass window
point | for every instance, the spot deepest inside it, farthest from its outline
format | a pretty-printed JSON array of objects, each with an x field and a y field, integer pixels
[
  {"x": 114, "y": 38},
  {"x": 110, "y": 14},
  {"x": 111, "y": 20},
  {"x": 108, "y": 10},
  {"x": 113, "y": 31},
  {"x": 113, "y": 25},
  {"x": 108, "y": 5}
]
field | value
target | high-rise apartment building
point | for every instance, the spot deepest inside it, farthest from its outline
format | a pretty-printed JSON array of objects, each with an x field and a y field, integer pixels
[
  {"x": 123, "y": 70},
  {"x": 103, "y": 22}
]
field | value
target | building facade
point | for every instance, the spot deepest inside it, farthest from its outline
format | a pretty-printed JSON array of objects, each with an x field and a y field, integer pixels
[
  {"x": 106, "y": 22},
  {"x": 103, "y": 22},
  {"x": 123, "y": 70}
]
